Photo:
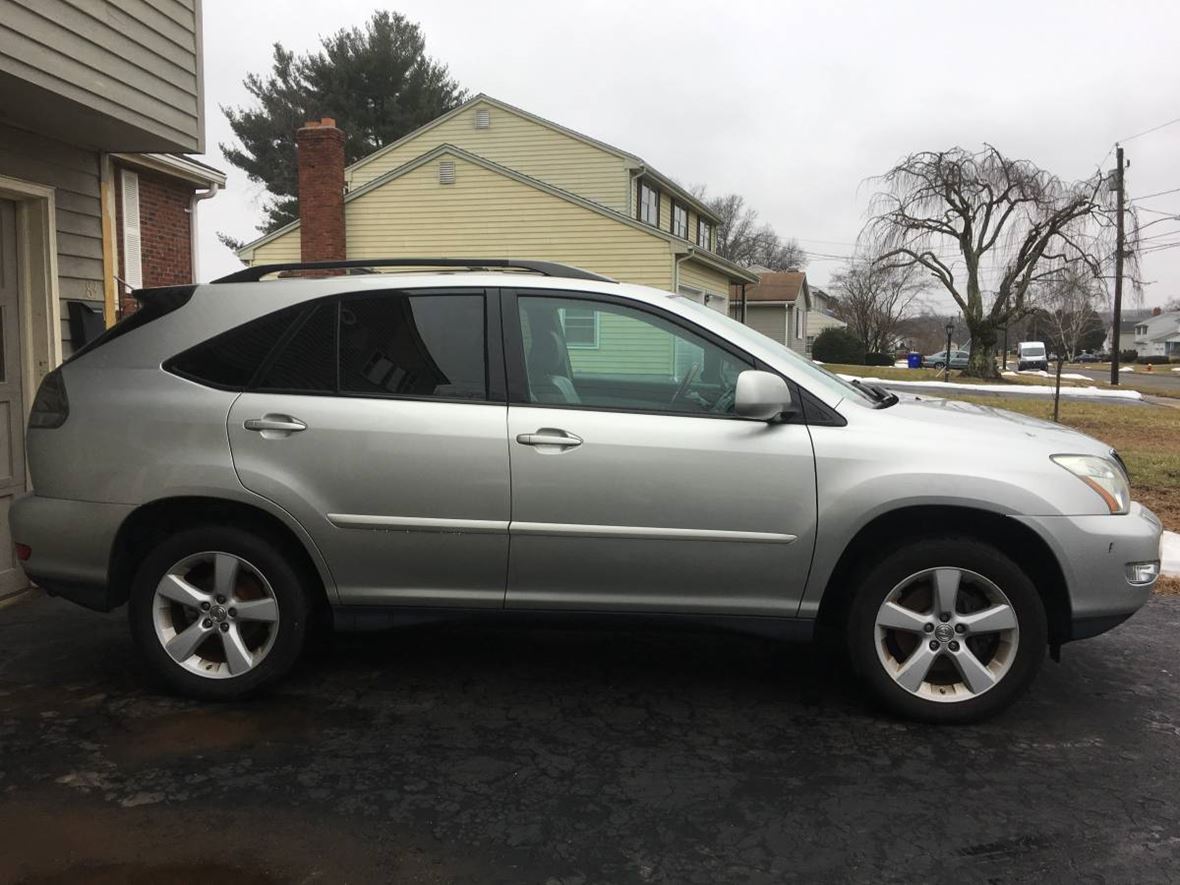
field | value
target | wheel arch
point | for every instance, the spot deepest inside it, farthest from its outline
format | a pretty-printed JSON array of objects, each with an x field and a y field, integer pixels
[
  {"x": 149, "y": 523},
  {"x": 907, "y": 524}
]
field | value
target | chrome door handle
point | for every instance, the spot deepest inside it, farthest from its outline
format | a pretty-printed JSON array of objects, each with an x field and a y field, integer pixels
[
  {"x": 284, "y": 423},
  {"x": 548, "y": 436}
]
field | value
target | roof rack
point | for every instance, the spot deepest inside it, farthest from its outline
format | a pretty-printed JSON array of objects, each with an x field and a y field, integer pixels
[{"x": 545, "y": 268}]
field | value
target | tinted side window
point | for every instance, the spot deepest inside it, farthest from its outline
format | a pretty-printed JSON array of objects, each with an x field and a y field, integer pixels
[
  {"x": 231, "y": 359},
  {"x": 305, "y": 361},
  {"x": 413, "y": 345}
]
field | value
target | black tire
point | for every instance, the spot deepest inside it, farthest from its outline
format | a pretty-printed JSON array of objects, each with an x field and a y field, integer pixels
[
  {"x": 939, "y": 365},
  {"x": 877, "y": 581},
  {"x": 292, "y": 589}
]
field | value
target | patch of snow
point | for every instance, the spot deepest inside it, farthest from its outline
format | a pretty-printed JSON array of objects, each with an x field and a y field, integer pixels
[
  {"x": 901, "y": 364},
  {"x": 1170, "y": 554},
  {"x": 1126, "y": 369},
  {"x": 818, "y": 362},
  {"x": 1033, "y": 389},
  {"x": 1065, "y": 376},
  {"x": 1177, "y": 369},
  {"x": 1008, "y": 372}
]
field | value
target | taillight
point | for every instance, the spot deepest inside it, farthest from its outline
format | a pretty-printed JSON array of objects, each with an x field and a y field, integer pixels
[{"x": 51, "y": 406}]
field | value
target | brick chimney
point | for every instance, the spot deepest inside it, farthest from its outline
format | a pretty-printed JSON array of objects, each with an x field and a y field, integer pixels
[{"x": 320, "y": 148}]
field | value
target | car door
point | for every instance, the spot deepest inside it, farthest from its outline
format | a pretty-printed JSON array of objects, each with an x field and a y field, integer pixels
[
  {"x": 379, "y": 425},
  {"x": 634, "y": 485}
]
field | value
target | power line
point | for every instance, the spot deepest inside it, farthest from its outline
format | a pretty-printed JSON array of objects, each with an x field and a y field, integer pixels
[
  {"x": 1175, "y": 190},
  {"x": 1151, "y": 130}
]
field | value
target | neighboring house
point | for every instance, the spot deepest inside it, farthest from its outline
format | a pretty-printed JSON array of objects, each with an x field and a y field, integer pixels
[
  {"x": 156, "y": 197},
  {"x": 821, "y": 316},
  {"x": 1159, "y": 335},
  {"x": 1126, "y": 336},
  {"x": 777, "y": 305},
  {"x": 78, "y": 83},
  {"x": 488, "y": 179}
]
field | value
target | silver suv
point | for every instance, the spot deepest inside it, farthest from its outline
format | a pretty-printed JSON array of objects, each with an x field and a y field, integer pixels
[{"x": 243, "y": 460}]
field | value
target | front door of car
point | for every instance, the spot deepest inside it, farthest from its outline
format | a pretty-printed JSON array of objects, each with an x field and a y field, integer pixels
[
  {"x": 377, "y": 424},
  {"x": 634, "y": 485}
]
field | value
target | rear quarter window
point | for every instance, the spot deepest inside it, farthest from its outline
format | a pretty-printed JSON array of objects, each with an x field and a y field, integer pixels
[{"x": 231, "y": 360}]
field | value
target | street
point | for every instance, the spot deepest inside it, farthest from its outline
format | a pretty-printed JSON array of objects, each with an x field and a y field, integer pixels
[{"x": 514, "y": 755}]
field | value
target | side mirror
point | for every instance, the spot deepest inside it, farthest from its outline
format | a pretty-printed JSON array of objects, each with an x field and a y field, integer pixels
[{"x": 761, "y": 396}]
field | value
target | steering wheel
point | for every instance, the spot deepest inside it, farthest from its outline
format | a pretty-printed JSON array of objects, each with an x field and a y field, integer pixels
[{"x": 689, "y": 377}]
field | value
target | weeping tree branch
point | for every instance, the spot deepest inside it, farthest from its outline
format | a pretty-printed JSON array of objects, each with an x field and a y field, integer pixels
[{"x": 967, "y": 218}]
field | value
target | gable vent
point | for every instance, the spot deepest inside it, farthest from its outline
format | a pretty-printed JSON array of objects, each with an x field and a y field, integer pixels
[
  {"x": 446, "y": 172},
  {"x": 483, "y": 118}
]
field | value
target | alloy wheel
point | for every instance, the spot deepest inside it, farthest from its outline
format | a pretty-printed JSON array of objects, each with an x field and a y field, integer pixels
[
  {"x": 947, "y": 634},
  {"x": 215, "y": 614}
]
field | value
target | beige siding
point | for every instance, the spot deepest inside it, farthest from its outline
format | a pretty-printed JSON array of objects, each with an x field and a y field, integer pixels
[
  {"x": 521, "y": 145},
  {"x": 282, "y": 248},
  {"x": 626, "y": 347},
  {"x": 74, "y": 175},
  {"x": 134, "y": 62},
  {"x": 486, "y": 213}
]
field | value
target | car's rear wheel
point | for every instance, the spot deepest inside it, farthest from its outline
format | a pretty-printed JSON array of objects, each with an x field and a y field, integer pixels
[
  {"x": 219, "y": 612},
  {"x": 938, "y": 364},
  {"x": 947, "y": 630}
]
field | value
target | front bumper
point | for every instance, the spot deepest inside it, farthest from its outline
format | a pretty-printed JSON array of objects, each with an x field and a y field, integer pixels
[
  {"x": 71, "y": 545},
  {"x": 1094, "y": 552}
]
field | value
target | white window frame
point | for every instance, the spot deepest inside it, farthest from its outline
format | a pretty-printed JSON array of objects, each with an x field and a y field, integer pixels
[
  {"x": 677, "y": 208},
  {"x": 595, "y": 315},
  {"x": 706, "y": 227},
  {"x": 643, "y": 205}
]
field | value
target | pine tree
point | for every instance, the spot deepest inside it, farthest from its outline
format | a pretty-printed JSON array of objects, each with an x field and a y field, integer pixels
[{"x": 376, "y": 81}]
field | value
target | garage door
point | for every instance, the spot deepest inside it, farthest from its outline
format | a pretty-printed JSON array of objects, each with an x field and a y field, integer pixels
[{"x": 12, "y": 441}]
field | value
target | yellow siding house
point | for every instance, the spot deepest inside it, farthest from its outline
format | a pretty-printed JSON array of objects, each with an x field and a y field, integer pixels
[{"x": 491, "y": 180}]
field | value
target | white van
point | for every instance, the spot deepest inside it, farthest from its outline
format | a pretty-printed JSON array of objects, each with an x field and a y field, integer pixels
[{"x": 1031, "y": 356}]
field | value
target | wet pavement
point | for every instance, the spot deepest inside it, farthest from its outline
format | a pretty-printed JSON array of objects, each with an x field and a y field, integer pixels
[{"x": 523, "y": 755}]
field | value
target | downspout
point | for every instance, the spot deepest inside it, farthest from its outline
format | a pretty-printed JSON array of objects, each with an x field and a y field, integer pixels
[
  {"x": 192, "y": 224},
  {"x": 676, "y": 262}
]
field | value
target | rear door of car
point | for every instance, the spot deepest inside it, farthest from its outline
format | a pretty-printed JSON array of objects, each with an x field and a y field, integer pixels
[{"x": 378, "y": 421}]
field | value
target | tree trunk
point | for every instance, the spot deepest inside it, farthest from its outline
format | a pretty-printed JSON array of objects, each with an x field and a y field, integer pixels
[{"x": 984, "y": 335}]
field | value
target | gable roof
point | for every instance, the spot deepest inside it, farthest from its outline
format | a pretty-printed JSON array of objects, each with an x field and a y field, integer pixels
[
  {"x": 1161, "y": 325},
  {"x": 634, "y": 160},
  {"x": 779, "y": 286},
  {"x": 700, "y": 254}
]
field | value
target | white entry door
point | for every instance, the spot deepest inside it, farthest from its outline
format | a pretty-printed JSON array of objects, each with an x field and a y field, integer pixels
[{"x": 12, "y": 413}]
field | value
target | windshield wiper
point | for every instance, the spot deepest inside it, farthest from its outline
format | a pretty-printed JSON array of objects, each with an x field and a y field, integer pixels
[{"x": 882, "y": 397}]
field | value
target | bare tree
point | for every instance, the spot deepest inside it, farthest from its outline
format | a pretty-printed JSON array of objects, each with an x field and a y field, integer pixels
[
  {"x": 963, "y": 216},
  {"x": 743, "y": 240},
  {"x": 873, "y": 298},
  {"x": 1069, "y": 312}
]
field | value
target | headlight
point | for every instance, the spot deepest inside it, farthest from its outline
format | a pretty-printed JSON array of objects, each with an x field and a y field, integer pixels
[{"x": 1102, "y": 476}]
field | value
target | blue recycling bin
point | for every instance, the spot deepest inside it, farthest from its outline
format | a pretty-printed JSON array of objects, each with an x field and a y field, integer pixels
[{"x": 914, "y": 359}]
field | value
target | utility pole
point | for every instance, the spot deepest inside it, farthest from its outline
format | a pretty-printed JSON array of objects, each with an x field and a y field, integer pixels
[{"x": 1120, "y": 247}]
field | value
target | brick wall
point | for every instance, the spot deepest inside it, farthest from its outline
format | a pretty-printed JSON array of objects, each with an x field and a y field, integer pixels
[{"x": 165, "y": 228}]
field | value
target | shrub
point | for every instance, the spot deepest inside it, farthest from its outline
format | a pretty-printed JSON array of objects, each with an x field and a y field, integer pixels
[
  {"x": 879, "y": 359},
  {"x": 838, "y": 346},
  {"x": 1128, "y": 356},
  {"x": 1153, "y": 360}
]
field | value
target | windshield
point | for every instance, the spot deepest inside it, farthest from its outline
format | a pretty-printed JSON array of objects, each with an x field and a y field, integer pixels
[
  {"x": 1033, "y": 349},
  {"x": 811, "y": 375}
]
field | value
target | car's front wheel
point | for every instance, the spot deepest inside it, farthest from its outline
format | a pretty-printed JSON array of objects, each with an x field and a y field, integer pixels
[
  {"x": 219, "y": 612},
  {"x": 947, "y": 630}
]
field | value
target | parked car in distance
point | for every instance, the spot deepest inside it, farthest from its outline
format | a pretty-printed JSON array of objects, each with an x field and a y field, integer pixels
[
  {"x": 1087, "y": 357},
  {"x": 243, "y": 460},
  {"x": 959, "y": 359},
  {"x": 1031, "y": 355}
]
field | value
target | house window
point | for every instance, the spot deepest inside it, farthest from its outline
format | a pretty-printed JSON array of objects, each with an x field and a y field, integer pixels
[
  {"x": 649, "y": 204},
  {"x": 810, "y": 341},
  {"x": 580, "y": 326},
  {"x": 704, "y": 234},
  {"x": 799, "y": 324},
  {"x": 679, "y": 221}
]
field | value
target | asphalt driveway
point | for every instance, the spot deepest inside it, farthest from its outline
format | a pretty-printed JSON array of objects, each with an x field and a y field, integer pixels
[{"x": 521, "y": 755}]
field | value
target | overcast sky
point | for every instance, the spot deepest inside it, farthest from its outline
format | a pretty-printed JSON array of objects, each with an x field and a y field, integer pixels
[{"x": 794, "y": 105}]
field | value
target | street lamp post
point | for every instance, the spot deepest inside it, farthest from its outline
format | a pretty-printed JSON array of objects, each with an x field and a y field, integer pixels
[{"x": 946, "y": 365}]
